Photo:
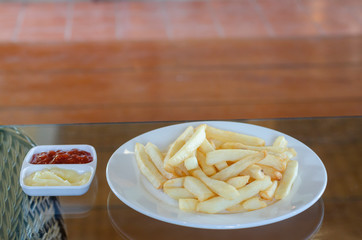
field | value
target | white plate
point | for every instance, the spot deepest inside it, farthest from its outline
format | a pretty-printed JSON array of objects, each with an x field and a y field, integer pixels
[
  {"x": 133, "y": 189},
  {"x": 28, "y": 168}
]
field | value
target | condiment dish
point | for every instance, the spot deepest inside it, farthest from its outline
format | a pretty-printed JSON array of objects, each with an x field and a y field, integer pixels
[{"x": 29, "y": 168}]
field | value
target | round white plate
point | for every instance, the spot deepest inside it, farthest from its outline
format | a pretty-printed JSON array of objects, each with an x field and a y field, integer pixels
[{"x": 131, "y": 187}]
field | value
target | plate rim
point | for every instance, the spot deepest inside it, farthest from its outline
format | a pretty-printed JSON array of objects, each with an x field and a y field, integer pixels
[{"x": 220, "y": 226}]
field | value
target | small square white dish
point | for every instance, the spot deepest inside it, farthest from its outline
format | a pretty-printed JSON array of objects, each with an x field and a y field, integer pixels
[{"x": 28, "y": 168}]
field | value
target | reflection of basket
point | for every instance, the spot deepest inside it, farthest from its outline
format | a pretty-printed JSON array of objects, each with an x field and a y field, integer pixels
[{"x": 22, "y": 216}]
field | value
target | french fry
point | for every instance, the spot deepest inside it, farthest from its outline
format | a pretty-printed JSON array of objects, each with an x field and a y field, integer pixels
[
  {"x": 197, "y": 188},
  {"x": 176, "y": 146},
  {"x": 178, "y": 193},
  {"x": 254, "y": 171},
  {"x": 218, "y": 204},
  {"x": 271, "y": 172},
  {"x": 237, "y": 208},
  {"x": 157, "y": 158},
  {"x": 280, "y": 142},
  {"x": 221, "y": 188},
  {"x": 181, "y": 170},
  {"x": 285, "y": 156},
  {"x": 227, "y": 136},
  {"x": 236, "y": 168},
  {"x": 188, "y": 205},
  {"x": 190, "y": 146},
  {"x": 147, "y": 168},
  {"x": 287, "y": 181},
  {"x": 221, "y": 165},
  {"x": 178, "y": 172},
  {"x": 273, "y": 161},
  {"x": 174, "y": 183},
  {"x": 291, "y": 153},
  {"x": 208, "y": 169},
  {"x": 253, "y": 203},
  {"x": 216, "y": 143},
  {"x": 206, "y": 147},
  {"x": 268, "y": 193},
  {"x": 191, "y": 163},
  {"x": 236, "y": 145},
  {"x": 223, "y": 155},
  {"x": 239, "y": 181}
]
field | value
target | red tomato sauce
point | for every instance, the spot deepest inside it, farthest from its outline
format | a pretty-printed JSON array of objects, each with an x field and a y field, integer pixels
[{"x": 73, "y": 156}]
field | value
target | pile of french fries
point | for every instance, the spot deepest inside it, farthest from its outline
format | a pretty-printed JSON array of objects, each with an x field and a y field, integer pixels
[{"x": 210, "y": 170}]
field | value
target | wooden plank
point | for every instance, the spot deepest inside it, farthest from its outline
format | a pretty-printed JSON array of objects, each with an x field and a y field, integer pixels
[
  {"x": 180, "y": 87},
  {"x": 129, "y": 96},
  {"x": 249, "y": 53},
  {"x": 89, "y": 82},
  {"x": 164, "y": 112}
]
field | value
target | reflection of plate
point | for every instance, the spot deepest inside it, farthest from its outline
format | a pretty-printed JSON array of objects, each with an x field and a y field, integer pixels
[
  {"x": 123, "y": 219},
  {"x": 129, "y": 185}
]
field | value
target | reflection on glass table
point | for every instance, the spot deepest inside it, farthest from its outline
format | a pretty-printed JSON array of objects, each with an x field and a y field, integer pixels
[{"x": 302, "y": 226}]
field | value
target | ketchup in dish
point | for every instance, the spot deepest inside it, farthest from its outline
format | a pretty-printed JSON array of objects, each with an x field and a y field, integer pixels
[{"x": 74, "y": 156}]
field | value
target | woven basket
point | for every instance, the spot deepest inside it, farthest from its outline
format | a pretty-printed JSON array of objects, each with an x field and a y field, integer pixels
[{"x": 22, "y": 216}]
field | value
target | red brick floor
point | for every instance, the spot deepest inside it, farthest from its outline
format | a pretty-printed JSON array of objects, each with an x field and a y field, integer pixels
[{"x": 156, "y": 20}]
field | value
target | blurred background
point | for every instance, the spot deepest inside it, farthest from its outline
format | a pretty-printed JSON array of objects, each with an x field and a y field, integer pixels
[{"x": 136, "y": 60}]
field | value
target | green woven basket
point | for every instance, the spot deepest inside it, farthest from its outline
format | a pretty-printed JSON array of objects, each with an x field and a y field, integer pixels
[{"x": 22, "y": 216}]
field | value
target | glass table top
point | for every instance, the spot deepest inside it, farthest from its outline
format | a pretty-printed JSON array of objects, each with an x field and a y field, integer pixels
[{"x": 100, "y": 214}]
